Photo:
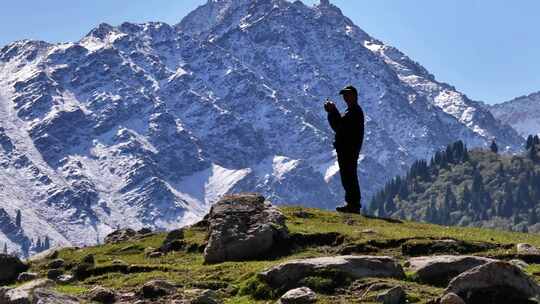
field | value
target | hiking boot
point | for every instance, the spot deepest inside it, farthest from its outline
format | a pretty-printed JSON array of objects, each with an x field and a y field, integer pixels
[{"x": 349, "y": 209}]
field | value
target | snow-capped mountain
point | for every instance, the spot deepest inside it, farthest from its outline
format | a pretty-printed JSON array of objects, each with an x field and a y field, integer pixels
[
  {"x": 522, "y": 113},
  {"x": 149, "y": 124}
]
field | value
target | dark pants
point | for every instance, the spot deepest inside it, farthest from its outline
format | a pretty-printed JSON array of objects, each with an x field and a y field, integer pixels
[{"x": 348, "y": 165}]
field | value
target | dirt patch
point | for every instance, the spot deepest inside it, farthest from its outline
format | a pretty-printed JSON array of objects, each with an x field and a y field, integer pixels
[{"x": 445, "y": 246}]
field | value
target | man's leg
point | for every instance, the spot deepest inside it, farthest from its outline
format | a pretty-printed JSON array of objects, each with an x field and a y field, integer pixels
[{"x": 348, "y": 165}]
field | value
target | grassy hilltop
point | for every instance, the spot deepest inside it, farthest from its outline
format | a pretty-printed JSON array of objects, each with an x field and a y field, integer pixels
[{"x": 326, "y": 234}]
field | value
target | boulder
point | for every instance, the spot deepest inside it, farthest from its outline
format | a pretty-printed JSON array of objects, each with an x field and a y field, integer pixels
[
  {"x": 65, "y": 279},
  {"x": 394, "y": 295},
  {"x": 56, "y": 263},
  {"x": 89, "y": 259},
  {"x": 101, "y": 295},
  {"x": 202, "y": 296},
  {"x": 46, "y": 296},
  {"x": 302, "y": 295},
  {"x": 451, "y": 298},
  {"x": 157, "y": 288},
  {"x": 439, "y": 270},
  {"x": 289, "y": 273},
  {"x": 494, "y": 282},
  {"x": 54, "y": 274},
  {"x": 243, "y": 227},
  {"x": 11, "y": 266},
  {"x": 519, "y": 263},
  {"x": 174, "y": 241},
  {"x": 145, "y": 231},
  {"x": 23, "y": 293},
  {"x": 120, "y": 235},
  {"x": 527, "y": 249},
  {"x": 27, "y": 276}
]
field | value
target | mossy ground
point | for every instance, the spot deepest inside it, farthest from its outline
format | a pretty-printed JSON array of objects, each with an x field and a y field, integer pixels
[{"x": 239, "y": 278}]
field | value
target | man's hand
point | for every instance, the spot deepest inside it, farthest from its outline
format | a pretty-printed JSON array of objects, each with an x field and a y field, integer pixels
[{"x": 330, "y": 106}]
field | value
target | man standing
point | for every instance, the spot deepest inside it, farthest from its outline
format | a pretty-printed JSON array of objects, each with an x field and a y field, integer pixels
[{"x": 349, "y": 130}]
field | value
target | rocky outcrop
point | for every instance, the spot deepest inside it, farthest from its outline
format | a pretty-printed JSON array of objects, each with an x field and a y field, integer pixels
[
  {"x": 439, "y": 270},
  {"x": 101, "y": 295},
  {"x": 202, "y": 296},
  {"x": 495, "y": 282},
  {"x": 290, "y": 273},
  {"x": 37, "y": 291},
  {"x": 527, "y": 249},
  {"x": 120, "y": 235},
  {"x": 173, "y": 241},
  {"x": 394, "y": 295},
  {"x": 157, "y": 288},
  {"x": 243, "y": 227},
  {"x": 302, "y": 295},
  {"x": 27, "y": 276},
  {"x": 11, "y": 266}
]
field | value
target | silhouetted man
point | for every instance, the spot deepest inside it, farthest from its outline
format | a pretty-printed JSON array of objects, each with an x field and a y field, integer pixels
[{"x": 349, "y": 130}]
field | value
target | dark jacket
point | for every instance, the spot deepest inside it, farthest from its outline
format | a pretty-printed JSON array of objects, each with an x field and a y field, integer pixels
[{"x": 349, "y": 129}]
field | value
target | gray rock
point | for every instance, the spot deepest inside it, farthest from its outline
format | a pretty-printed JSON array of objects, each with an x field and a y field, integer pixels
[
  {"x": 23, "y": 293},
  {"x": 27, "y": 276},
  {"x": 46, "y": 296},
  {"x": 120, "y": 235},
  {"x": 357, "y": 267},
  {"x": 11, "y": 266},
  {"x": 54, "y": 274},
  {"x": 243, "y": 227},
  {"x": 519, "y": 263},
  {"x": 55, "y": 264},
  {"x": 89, "y": 259},
  {"x": 451, "y": 298},
  {"x": 173, "y": 241},
  {"x": 202, "y": 296},
  {"x": 302, "y": 295},
  {"x": 439, "y": 270},
  {"x": 157, "y": 288},
  {"x": 395, "y": 295},
  {"x": 501, "y": 279},
  {"x": 65, "y": 279},
  {"x": 101, "y": 295},
  {"x": 528, "y": 249}
]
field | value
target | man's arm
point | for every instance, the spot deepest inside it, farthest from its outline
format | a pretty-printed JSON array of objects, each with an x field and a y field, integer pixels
[{"x": 334, "y": 117}]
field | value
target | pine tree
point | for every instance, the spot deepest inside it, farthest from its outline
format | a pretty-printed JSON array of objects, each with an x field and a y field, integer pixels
[
  {"x": 47, "y": 243},
  {"x": 18, "y": 219},
  {"x": 508, "y": 201},
  {"x": 450, "y": 199},
  {"x": 467, "y": 197},
  {"x": 529, "y": 143},
  {"x": 533, "y": 217},
  {"x": 494, "y": 148},
  {"x": 5, "y": 248},
  {"x": 533, "y": 153}
]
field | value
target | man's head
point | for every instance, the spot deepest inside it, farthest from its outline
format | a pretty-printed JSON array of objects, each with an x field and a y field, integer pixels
[{"x": 350, "y": 95}]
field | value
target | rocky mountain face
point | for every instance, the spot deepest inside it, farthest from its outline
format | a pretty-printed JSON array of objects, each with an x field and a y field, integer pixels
[
  {"x": 148, "y": 124},
  {"x": 522, "y": 113}
]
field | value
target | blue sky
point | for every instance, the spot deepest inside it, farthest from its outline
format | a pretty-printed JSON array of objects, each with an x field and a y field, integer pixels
[{"x": 488, "y": 49}]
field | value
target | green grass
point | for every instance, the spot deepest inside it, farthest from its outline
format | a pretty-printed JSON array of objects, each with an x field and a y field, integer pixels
[{"x": 188, "y": 270}]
